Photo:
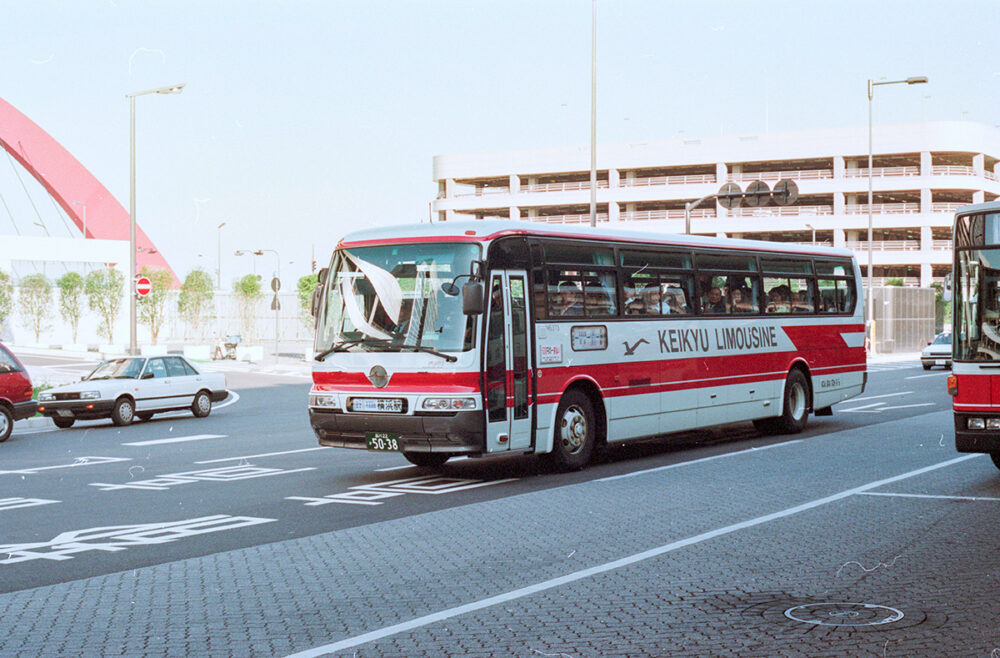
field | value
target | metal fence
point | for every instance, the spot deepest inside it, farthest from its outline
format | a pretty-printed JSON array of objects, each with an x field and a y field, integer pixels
[{"x": 904, "y": 318}]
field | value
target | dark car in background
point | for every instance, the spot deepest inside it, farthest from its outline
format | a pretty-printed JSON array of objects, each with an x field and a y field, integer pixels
[{"x": 15, "y": 392}]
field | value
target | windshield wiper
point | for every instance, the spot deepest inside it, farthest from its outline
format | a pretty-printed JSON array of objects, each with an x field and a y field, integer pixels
[
  {"x": 430, "y": 350},
  {"x": 344, "y": 344}
]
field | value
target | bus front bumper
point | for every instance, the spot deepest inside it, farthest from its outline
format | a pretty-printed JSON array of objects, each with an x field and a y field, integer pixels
[
  {"x": 459, "y": 433},
  {"x": 967, "y": 440}
]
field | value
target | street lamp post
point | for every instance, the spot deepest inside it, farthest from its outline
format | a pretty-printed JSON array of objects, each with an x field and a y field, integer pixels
[
  {"x": 915, "y": 80},
  {"x": 277, "y": 306},
  {"x": 84, "y": 206},
  {"x": 218, "y": 263},
  {"x": 593, "y": 113},
  {"x": 172, "y": 89}
]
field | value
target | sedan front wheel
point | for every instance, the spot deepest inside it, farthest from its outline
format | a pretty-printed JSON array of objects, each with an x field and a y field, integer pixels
[
  {"x": 202, "y": 405},
  {"x": 123, "y": 412}
]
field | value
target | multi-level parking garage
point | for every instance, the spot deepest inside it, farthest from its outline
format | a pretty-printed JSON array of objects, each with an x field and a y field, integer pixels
[{"x": 921, "y": 173}]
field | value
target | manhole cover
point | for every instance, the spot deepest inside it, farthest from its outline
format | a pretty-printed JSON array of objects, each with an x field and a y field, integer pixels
[{"x": 843, "y": 614}]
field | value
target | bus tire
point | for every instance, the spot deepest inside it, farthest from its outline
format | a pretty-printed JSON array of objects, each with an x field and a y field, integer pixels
[
  {"x": 575, "y": 433},
  {"x": 995, "y": 456},
  {"x": 427, "y": 459},
  {"x": 795, "y": 406}
]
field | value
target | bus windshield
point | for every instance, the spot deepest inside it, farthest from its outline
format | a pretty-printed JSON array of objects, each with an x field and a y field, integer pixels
[
  {"x": 977, "y": 305},
  {"x": 390, "y": 298}
]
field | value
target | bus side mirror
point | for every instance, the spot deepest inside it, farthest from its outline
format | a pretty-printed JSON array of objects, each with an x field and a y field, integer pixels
[
  {"x": 473, "y": 298},
  {"x": 316, "y": 294}
]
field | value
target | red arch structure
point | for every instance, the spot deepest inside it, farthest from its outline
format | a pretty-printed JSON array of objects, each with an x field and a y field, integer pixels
[{"x": 67, "y": 181}]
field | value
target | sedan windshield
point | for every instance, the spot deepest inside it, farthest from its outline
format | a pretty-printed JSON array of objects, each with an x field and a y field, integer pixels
[
  {"x": 943, "y": 339},
  {"x": 118, "y": 369},
  {"x": 392, "y": 298}
]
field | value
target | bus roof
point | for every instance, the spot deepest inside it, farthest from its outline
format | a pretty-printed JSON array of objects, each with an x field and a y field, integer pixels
[
  {"x": 978, "y": 207},
  {"x": 488, "y": 230}
]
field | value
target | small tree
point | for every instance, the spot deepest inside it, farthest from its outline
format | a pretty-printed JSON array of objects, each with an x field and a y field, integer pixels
[
  {"x": 306, "y": 287},
  {"x": 894, "y": 281},
  {"x": 35, "y": 300},
  {"x": 248, "y": 292},
  {"x": 195, "y": 299},
  {"x": 70, "y": 300},
  {"x": 104, "y": 290},
  {"x": 151, "y": 308},
  {"x": 6, "y": 298}
]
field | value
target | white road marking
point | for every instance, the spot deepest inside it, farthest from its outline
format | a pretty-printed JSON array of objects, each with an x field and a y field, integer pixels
[
  {"x": 906, "y": 495},
  {"x": 263, "y": 454},
  {"x": 696, "y": 461},
  {"x": 399, "y": 468},
  {"x": 177, "y": 439},
  {"x": 865, "y": 410},
  {"x": 426, "y": 620},
  {"x": 15, "y": 503},
  {"x": 81, "y": 461},
  {"x": 874, "y": 397},
  {"x": 933, "y": 374}
]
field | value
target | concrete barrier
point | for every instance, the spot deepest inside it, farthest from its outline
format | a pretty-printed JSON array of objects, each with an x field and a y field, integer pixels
[
  {"x": 153, "y": 350},
  {"x": 251, "y": 353},
  {"x": 74, "y": 347},
  {"x": 108, "y": 351}
]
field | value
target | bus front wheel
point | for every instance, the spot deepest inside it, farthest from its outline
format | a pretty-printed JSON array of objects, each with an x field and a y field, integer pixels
[
  {"x": 795, "y": 408},
  {"x": 575, "y": 433}
]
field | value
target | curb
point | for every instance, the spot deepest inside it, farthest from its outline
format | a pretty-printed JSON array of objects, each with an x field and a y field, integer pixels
[{"x": 36, "y": 422}]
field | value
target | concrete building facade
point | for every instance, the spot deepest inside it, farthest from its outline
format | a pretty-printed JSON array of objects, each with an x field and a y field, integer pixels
[{"x": 921, "y": 173}]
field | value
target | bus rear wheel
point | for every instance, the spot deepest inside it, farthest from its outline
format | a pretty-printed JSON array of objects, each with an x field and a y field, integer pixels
[
  {"x": 795, "y": 408},
  {"x": 575, "y": 433},
  {"x": 426, "y": 459}
]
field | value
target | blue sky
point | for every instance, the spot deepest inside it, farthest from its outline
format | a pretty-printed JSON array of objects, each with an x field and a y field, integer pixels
[{"x": 302, "y": 121}]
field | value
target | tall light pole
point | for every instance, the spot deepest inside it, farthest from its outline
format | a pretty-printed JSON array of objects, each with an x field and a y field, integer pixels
[
  {"x": 916, "y": 80},
  {"x": 593, "y": 113},
  {"x": 218, "y": 263},
  {"x": 84, "y": 205},
  {"x": 172, "y": 89}
]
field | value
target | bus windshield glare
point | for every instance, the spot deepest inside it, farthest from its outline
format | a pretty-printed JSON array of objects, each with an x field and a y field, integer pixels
[
  {"x": 977, "y": 305},
  {"x": 390, "y": 298}
]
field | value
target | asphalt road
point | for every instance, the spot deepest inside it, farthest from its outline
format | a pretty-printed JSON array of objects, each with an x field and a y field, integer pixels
[{"x": 88, "y": 504}]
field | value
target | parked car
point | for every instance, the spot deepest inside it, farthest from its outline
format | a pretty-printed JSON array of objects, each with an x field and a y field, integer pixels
[
  {"x": 937, "y": 352},
  {"x": 134, "y": 387},
  {"x": 15, "y": 392}
]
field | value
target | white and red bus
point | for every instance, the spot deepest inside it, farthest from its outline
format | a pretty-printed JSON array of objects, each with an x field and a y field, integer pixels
[
  {"x": 491, "y": 337},
  {"x": 975, "y": 380}
]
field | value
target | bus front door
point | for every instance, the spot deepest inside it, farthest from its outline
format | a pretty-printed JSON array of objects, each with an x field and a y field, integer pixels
[{"x": 508, "y": 359}]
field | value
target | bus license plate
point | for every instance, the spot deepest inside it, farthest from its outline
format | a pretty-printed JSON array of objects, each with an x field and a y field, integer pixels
[
  {"x": 383, "y": 441},
  {"x": 383, "y": 405}
]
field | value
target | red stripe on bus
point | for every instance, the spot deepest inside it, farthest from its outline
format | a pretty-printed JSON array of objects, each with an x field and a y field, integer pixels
[{"x": 400, "y": 382}]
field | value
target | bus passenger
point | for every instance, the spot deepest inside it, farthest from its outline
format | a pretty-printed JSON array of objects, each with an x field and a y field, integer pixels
[
  {"x": 714, "y": 303},
  {"x": 739, "y": 303}
]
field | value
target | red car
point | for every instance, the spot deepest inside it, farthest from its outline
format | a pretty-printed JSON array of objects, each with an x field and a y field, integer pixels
[{"x": 15, "y": 393}]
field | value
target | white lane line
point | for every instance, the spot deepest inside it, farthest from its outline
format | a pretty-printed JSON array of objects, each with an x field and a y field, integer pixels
[
  {"x": 906, "y": 495},
  {"x": 910, "y": 406},
  {"x": 874, "y": 397},
  {"x": 264, "y": 454},
  {"x": 177, "y": 439},
  {"x": 864, "y": 406},
  {"x": 426, "y": 620},
  {"x": 232, "y": 399},
  {"x": 696, "y": 461},
  {"x": 80, "y": 461},
  {"x": 933, "y": 374}
]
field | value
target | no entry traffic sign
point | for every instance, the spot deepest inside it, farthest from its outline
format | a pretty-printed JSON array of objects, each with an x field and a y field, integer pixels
[{"x": 142, "y": 286}]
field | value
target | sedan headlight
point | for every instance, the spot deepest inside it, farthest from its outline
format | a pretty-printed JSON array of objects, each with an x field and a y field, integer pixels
[
  {"x": 46, "y": 397},
  {"x": 448, "y": 404},
  {"x": 90, "y": 395}
]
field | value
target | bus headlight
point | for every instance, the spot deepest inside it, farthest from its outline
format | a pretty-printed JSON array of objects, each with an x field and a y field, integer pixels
[
  {"x": 323, "y": 401},
  {"x": 448, "y": 404},
  {"x": 993, "y": 423},
  {"x": 976, "y": 424}
]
